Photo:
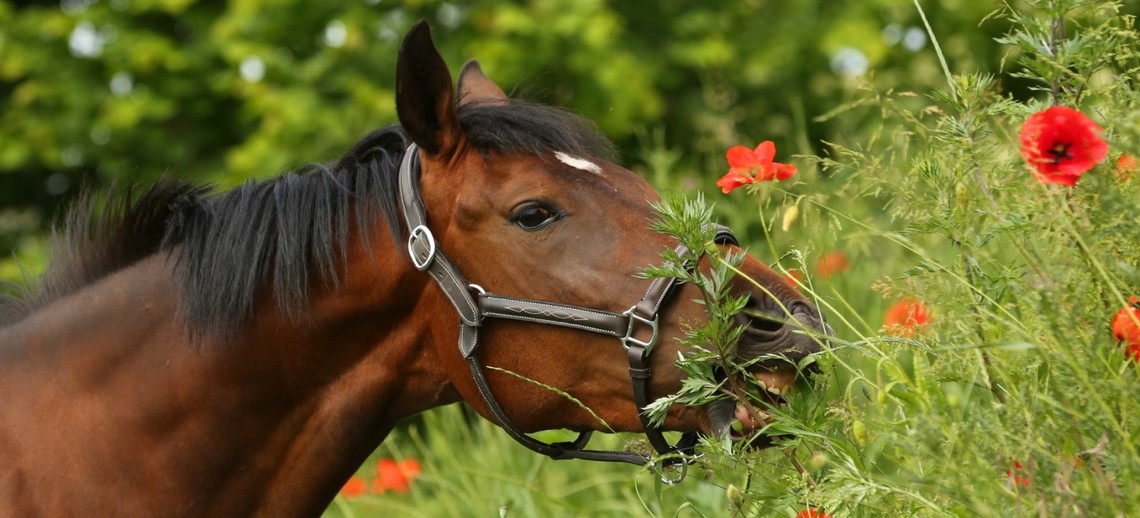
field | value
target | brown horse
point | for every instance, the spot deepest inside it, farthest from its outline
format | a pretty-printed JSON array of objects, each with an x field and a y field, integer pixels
[{"x": 241, "y": 353}]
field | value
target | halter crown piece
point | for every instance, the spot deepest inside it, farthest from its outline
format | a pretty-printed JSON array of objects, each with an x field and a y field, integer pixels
[{"x": 635, "y": 329}]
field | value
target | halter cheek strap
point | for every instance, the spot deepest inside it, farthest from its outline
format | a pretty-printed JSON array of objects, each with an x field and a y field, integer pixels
[{"x": 636, "y": 329}]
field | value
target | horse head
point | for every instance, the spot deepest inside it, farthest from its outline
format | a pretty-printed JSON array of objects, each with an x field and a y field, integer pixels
[{"x": 531, "y": 210}]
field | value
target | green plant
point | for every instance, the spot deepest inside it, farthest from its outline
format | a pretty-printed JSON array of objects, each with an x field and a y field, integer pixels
[{"x": 1015, "y": 401}]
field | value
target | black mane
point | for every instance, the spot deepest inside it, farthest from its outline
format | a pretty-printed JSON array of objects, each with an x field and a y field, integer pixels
[{"x": 283, "y": 232}]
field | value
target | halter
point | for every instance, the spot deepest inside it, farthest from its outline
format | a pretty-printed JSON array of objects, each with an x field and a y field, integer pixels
[{"x": 636, "y": 329}]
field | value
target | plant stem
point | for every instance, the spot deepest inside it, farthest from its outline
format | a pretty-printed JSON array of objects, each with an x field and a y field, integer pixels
[
  {"x": 937, "y": 49},
  {"x": 791, "y": 455},
  {"x": 1057, "y": 36},
  {"x": 968, "y": 271}
]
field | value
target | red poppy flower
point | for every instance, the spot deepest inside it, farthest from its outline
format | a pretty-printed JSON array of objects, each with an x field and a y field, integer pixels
[
  {"x": 1126, "y": 330},
  {"x": 395, "y": 476},
  {"x": 812, "y": 513},
  {"x": 1126, "y": 165},
  {"x": 904, "y": 317},
  {"x": 411, "y": 468},
  {"x": 831, "y": 263},
  {"x": 354, "y": 487},
  {"x": 794, "y": 277},
  {"x": 753, "y": 165},
  {"x": 1061, "y": 144},
  {"x": 1015, "y": 476}
]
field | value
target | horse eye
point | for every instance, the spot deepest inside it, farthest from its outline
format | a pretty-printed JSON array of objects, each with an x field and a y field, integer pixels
[{"x": 533, "y": 216}]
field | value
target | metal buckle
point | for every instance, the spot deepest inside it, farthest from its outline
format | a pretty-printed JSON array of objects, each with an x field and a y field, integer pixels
[
  {"x": 682, "y": 469},
  {"x": 678, "y": 464},
  {"x": 634, "y": 319},
  {"x": 421, "y": 232}
]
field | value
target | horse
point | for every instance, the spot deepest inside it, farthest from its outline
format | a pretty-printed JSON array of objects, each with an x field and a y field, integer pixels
[{"x": 193, "y": 352}]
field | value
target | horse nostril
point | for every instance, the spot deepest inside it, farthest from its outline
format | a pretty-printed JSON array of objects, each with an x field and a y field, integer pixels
[
  {"x": 798, "y": 306},
  {"x": 814, "y": 318}
]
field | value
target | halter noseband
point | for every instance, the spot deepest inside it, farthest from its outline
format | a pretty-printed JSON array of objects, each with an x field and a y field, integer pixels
[{"x": 636, "y": 329}]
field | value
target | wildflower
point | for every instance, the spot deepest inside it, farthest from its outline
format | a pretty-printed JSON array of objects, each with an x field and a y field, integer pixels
[
  {"x": 904, "y": 317},
  {"x": 794, "y": 277},
  {"x": 812, "y": 513},
  {"x": 1014, "y": 475},
  {"x": 1061, "y": 144},
  {"x": 395, "y": 476},
  {"x": 1126, "y": 165},
  {"x": 354, "y": 487},
  {"x": 831, "y": 263},
  {"x": 748, "y": 166},
  {"x": 1125, "y": 328}
]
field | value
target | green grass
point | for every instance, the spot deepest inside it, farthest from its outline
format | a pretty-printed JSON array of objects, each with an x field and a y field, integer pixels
[{"x": 472, "y": 468}]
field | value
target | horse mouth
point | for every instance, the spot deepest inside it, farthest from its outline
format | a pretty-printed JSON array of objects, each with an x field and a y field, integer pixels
[
  {"x": 773, "y": 342},
  {"x": 744, "y": 423}
]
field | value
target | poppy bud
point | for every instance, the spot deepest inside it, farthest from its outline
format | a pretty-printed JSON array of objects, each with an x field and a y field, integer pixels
[
  {"x": 735, "y": 496},
  {"x": 790, "y": 216},
  {"x": 859, "y": 430},
  {"x": 817, "y": 461}
]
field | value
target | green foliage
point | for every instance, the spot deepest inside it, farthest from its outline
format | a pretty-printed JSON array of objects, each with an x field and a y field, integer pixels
[
  {"x": 1015, "y": 401},
  {"x": 713, "y": 345}
]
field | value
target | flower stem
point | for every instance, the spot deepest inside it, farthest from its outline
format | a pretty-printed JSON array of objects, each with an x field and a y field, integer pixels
[
  {"x": 937, "y": 49},
  {"x": 1057, "y": 36}
]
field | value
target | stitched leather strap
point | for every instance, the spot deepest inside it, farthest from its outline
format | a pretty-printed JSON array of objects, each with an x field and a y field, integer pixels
[
  {"x": 425, "y": 252},
  {"x": 593, "y": 320}
]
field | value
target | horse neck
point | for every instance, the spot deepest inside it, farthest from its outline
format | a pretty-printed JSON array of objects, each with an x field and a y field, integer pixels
[
  {"x": 272, "y": 420},
  {"x": 357, "y": 362}
]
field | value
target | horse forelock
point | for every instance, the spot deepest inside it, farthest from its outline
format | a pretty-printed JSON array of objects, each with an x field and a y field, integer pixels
[
  {"x": 284, "y": 232},
  {"x": 522, "y": 127}
]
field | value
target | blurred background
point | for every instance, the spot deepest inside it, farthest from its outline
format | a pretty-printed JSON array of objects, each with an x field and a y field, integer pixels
[{"x": 96, "y": 92}]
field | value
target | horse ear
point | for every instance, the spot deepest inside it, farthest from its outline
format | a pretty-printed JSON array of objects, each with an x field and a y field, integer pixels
[
  {"x": 475, "y": 87},
  {"x": 424, "y": 96}
]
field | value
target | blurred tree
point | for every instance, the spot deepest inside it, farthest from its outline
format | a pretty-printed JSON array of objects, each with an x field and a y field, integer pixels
[{"x": 93, "y": 91}]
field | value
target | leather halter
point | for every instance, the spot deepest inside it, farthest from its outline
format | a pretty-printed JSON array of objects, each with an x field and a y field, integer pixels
[{"x": 636, "y": 329}]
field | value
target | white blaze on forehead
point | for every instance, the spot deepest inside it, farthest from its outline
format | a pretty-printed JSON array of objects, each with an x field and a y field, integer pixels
[{"x": 578, "y": 163}]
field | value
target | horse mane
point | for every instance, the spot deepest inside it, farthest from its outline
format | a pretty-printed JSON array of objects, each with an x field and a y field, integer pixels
[
  {"x": 281, "y": 233},
  {"x": 97, "y": 237}
]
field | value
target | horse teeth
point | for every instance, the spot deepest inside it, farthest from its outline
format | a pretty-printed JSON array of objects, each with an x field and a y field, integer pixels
[{"x": 775, "y": 391}]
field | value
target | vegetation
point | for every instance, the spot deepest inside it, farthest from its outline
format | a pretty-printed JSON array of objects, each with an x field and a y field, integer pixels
[{"x": 1000, "y": 390}]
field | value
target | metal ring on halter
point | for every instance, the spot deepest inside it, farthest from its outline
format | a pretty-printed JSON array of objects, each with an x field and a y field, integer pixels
[
  {"x": 477, "y": 288},
  {"x": 634, "y": 319},
  {"x": 421, "y": 232},
  {"x": 683, "y": 465}
]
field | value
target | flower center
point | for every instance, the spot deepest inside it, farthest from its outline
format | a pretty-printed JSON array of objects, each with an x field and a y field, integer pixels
[{"x": 1060, "y": 151}]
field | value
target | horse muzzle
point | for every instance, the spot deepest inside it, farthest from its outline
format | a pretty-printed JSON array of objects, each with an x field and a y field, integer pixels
[{"x": 776, "y": 338}]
